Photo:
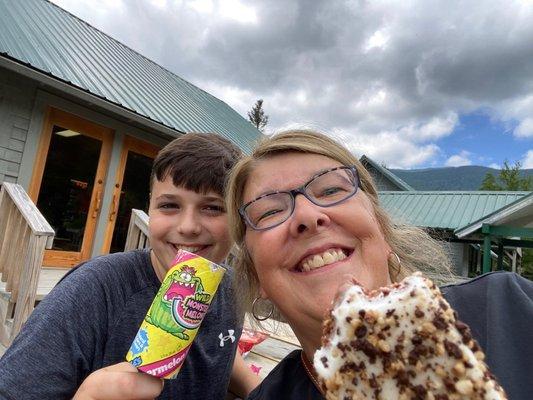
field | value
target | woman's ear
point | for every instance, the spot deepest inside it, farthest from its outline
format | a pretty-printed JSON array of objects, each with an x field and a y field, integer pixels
[{"x": 262, "y": 293}]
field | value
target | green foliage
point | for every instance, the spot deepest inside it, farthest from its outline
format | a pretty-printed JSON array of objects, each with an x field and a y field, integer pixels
[
  {"x": 527, "y": 263},
  {"x": 489, "y": 183},
  {"x": 257, "y": 115},
  {"x": 509, "y": 178}
]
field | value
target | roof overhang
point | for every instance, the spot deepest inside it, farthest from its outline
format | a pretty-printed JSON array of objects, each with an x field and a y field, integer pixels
[
  {"x": 84, "y": 96},
  {"x": 518, "y": 214}
]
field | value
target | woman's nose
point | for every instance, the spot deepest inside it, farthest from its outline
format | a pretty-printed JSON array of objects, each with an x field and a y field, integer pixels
[
  {"x": 307, "y": 217},
  {"x": 189, "y": 223}
]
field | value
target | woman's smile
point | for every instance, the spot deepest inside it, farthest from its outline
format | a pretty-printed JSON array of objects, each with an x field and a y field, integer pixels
[{"x": 320, "y": 259}]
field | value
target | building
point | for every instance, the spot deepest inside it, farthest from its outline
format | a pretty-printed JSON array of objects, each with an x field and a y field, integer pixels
[{"x": 482, "y": 230}]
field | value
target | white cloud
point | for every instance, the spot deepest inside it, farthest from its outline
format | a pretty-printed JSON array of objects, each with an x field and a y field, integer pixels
[
  {"x": 527, "y": 161},
  {"x": 525, "y": 128},
  {"x": 495, "y": 166},
  {"x": 236, "y": 10},
  {"x": 394, "y": 77},
  {"x": 458, "y": 160},
  {"x": 202, "y": 6},
  {"x": 389, "y": 148},
  {"x": 378, "y": 40}
]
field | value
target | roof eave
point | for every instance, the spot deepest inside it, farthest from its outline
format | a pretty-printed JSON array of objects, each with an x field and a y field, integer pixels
[
  {"x": 494, "y": 217},
  {"x": 85, "y": 96}
]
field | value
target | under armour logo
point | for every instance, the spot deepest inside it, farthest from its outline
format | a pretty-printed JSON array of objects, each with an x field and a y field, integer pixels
[{"x": 229, "y": 337}]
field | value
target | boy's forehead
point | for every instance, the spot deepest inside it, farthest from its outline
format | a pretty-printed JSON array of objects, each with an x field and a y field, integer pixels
[{"x": 167, "y": 188}]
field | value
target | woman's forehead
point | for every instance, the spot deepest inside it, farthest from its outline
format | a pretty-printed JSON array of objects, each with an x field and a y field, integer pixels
[{"x": 284, "y": 171}]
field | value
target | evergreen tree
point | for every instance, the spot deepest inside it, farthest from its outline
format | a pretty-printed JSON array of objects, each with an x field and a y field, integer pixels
[
  {"x": 257, "y": 115},
  {"x": 489, "y": 183},
  {"x": 509, "y": 178}
]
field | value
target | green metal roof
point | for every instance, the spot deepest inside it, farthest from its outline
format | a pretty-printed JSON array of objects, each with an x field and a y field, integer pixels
[
  {"x": 445, "y": 210},
  {"x": 43, "y": 36},
  {"x": 518, "y": 213}
]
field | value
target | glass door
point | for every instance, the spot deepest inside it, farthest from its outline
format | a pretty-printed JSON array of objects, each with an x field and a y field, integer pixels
[
  {"x": 67, "y": 185},
  {"x": 131, "y": 190}
]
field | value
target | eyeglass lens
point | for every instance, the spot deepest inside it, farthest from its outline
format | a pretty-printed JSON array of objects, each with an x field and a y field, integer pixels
[{"x": 324, "y": 190}]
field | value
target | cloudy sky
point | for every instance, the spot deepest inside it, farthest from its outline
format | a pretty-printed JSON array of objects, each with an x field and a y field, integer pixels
[{"x": 412, "y": 84}]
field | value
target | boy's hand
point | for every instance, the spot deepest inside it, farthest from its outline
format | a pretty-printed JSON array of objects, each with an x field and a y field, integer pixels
[{"x": 119, "y": 382}]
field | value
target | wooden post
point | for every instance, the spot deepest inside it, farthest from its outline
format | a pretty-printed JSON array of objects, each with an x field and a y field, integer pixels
[
  {"x": 500, "y": 255},
  {"x": 24, "y": 233},
  {"x": 486, "y": 254}
]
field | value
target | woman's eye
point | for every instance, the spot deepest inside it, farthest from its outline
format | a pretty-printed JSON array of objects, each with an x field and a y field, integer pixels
[
  {"x": 331, "y": 191},
  {"x": 269, "y": 213}
]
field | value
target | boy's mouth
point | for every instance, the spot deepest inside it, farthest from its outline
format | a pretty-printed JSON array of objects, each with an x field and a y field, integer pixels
[
  {"x": 190, "y": 248},
  {"x": 322, "y": 259}
]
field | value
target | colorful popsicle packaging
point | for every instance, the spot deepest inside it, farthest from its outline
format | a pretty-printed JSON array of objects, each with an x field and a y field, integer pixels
[{"x": 173, "y": 320}]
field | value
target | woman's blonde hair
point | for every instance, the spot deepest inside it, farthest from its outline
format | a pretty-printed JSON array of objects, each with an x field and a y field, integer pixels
[{"x": 414, "y": 247}]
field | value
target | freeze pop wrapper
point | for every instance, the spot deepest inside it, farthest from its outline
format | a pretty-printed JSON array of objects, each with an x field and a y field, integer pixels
[
  {"x": 401, "y": 342},
  {"x": 172, "y": 322}
]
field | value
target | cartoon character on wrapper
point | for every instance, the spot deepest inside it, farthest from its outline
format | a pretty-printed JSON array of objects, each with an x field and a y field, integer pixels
[{"x": 175, "y": 315}]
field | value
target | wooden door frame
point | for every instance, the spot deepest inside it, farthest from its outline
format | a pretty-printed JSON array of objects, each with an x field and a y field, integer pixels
[
  {"x": 76, "y": 123},
  {"x": 137, "y": 146}
]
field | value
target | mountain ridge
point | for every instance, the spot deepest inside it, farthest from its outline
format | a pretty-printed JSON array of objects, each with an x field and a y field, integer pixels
[{"x": 468, "y": 177}]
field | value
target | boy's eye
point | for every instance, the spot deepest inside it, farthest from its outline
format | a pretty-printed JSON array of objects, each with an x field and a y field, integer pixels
[
  {"x": 168, "y": 206},
  {"x": 215, "y": 208}
]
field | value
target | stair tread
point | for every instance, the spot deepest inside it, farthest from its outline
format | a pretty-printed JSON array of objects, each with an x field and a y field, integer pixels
[{"x": 48, "y": 278}]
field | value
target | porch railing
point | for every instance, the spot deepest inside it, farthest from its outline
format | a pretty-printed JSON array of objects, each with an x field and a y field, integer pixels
[
  {"x": 24, "y": 235},
  {"x": 137, "y": 231}
]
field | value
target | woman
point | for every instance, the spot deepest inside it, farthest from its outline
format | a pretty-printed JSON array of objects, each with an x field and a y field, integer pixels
[{"x": 305, "y": 216}]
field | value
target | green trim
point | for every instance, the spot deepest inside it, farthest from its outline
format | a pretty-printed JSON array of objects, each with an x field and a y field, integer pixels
[{"x": 504, "y": 231}]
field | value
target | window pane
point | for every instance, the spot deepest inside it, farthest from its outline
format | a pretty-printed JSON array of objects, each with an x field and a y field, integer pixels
[{"x": 67, "y": 185}]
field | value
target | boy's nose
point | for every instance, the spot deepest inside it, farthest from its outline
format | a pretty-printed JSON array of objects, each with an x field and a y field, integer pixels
[{"x": 189, "y": 224}]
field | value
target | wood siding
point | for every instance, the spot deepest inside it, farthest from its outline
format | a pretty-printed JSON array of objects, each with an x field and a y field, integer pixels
[
  {"x": 382, "y": 182},
  {"x": 16, "y": 103}
]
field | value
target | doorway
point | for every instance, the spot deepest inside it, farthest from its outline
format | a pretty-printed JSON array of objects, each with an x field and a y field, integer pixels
[
  {"x": 131, "y": 190},
  {"x": 67, "y": 183}
]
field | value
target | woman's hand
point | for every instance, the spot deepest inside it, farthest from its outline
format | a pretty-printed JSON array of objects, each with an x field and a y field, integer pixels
[{"x": 119, "y": 382}]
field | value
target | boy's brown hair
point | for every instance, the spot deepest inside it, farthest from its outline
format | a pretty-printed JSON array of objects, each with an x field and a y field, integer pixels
[{"x": 196, "y": 161}]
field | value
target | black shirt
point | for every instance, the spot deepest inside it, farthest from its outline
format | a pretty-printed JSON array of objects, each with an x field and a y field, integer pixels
[{"x": 497, "y": 306}]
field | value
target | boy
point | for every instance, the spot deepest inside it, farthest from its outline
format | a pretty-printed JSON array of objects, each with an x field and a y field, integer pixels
[{"x": 89, "y": 320}]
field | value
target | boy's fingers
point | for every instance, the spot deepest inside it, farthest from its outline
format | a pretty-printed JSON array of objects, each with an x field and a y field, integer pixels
[{"x": 119, "y": 382}]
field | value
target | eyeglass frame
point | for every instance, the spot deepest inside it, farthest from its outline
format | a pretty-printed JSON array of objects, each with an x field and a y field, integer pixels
[{"x": 300, "y": 190}]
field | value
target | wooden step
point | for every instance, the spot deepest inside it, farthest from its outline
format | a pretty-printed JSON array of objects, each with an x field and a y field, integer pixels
[{"x": 48, "y": 278}]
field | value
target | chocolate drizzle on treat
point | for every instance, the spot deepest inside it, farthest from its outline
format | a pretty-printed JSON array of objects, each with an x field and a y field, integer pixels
[{"x": 404, "y": 342}]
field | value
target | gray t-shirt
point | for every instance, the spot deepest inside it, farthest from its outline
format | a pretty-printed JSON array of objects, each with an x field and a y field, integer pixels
[{"x": 89, "y": 320}]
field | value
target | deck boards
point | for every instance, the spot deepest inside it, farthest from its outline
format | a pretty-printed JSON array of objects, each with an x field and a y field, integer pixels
[
  {"x": 48, "y": 278},
  {"x": 268, "y": 354}
]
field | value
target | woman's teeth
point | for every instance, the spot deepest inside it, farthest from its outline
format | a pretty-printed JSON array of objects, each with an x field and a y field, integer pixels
[{"x": 320, "y": 260}]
